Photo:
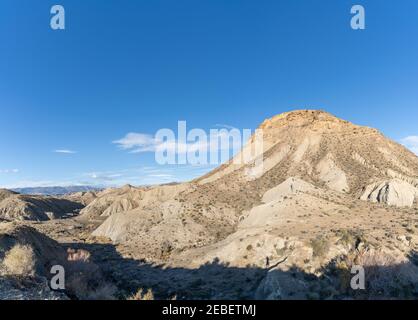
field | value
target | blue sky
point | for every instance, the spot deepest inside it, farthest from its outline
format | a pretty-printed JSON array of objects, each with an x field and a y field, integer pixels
[{"x": 138, "y": 66}]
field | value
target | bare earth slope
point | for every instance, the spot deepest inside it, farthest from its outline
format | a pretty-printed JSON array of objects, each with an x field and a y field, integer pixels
[
  {"x": 4, "y": 193},
  {"x": 24, "y": 207}
]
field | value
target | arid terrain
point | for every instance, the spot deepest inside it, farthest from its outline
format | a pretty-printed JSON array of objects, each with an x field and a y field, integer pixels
[{"x": 331, "y": 195}]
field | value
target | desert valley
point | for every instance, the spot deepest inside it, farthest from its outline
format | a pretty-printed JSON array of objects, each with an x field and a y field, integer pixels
[{"x": 332, "y": 194}]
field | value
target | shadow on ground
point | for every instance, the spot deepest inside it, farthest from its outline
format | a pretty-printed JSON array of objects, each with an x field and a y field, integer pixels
[{"x": 217, "y": 280}]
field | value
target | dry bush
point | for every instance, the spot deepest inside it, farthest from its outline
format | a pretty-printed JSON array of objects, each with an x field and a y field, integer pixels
[
  {"x": 320, "y": 247},
  {"x": 78, "y": 255},
  {"x": 149, "y": 295},
  {"x": 88, "y": 283},
  {"x": 20, "y": 261},
  {"x": 386, "y": 275},
  {"x": 85, "y": 279}
]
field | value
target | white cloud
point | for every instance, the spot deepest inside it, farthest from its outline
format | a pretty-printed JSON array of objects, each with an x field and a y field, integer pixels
[
  {"x": 411, "y": 143},
  {"x": 65, "y": 151},
  {"x": 137, "y": 142},
  {"x": 9, "y": 171},
  {"x": 104, "y": 176},
  {"x": 141, "y": 142}
]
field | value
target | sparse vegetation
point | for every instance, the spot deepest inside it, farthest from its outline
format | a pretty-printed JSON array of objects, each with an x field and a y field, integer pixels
[
  {"x": 351, "y": 238},
  {"x": 140, "y": 295},
  {"x": 20, "y": 261},
  {"x": 320, "y": 247}
]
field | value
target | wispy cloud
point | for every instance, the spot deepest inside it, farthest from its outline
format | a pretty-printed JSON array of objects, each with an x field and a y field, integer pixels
[
  {"x": 103, "y": 176},
  {"x": 411, "y": 143},
  {"x": 64, "y": 151},
  {"x": 9, "y": 170},
  {"x": 137, "y": 142},
  {"x": 141, "y": 142}
]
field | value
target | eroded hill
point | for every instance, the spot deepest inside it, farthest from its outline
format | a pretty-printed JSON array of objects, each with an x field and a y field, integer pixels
[{"x": 14, "y": 206}]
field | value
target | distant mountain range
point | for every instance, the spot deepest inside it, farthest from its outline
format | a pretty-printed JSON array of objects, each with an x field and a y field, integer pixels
[{"x": 55, "y": 190}]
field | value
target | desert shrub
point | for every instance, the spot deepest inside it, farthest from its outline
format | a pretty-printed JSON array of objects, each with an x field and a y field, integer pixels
[
  {"x": 166, "y": 248},
  {"x": 20, "y": 261},
  {"x": 90, "y": 286},
  {"x": 85, "y": 279},
  {"x": 320, "y": 247},
  {"x": 386, "y": 275},
  {"x": 351, "y": 238},
  {"x": 140, "y": 295}
]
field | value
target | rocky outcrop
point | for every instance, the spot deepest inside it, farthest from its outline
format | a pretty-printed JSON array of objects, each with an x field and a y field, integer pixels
[{"x": 394, "y": 192}]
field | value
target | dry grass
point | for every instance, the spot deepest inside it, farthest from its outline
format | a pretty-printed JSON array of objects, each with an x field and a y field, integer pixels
[
  {"x": 19, "y": 261},
  {"x": 140, "y": 295}
]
